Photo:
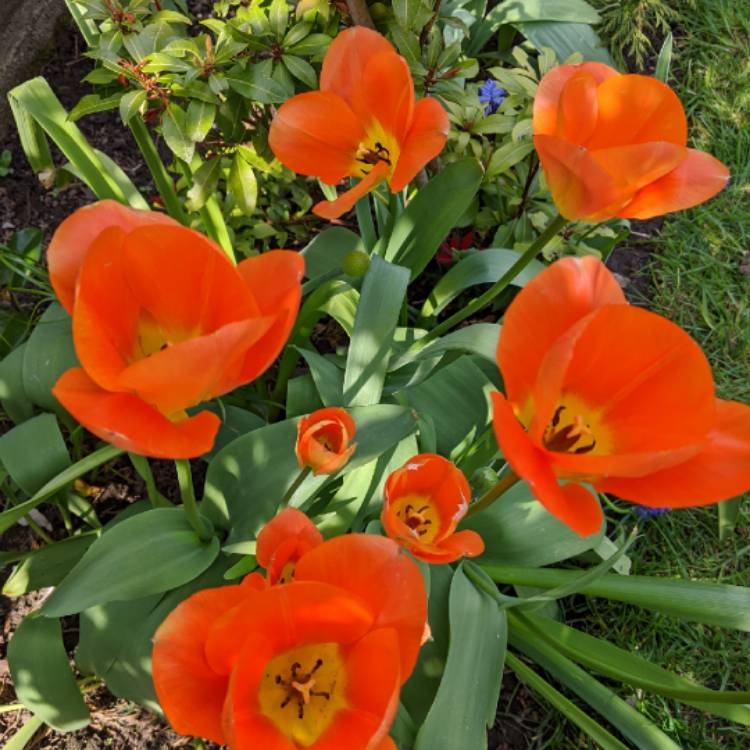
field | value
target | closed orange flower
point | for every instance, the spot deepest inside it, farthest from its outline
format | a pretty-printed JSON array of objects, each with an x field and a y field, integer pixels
[
  {"x": 316, "y": 663},
  {"x": 424, "y": 501},
  {"x": 282, "y": 541},
  {"x": 616, "y": 145},
  {"x": 162, "y": 321},
  {"x": 604, "y": 393},
  {"x": 323, "y": 440},
  {"x": 363, "y": 122}
]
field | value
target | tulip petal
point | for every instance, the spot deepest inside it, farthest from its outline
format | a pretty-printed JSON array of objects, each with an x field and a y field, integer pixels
[
  {"x": 190, "y": 692},
  {"x": 577, "y": 108},
  {"x": 647, "y": 382},
  {"x": 195, "y": 370},
  {"x": 547, "y": 99},
  {"x": 385, "y": 94},
  {"x": 185, "y": 281},
  {"x": 274, "y": 279},
  {"x": 318, "y": 134},
  {"x": 360, "y": 563},
  {"x": 345, "y": 202},
  {"x": 130, "y": 423},
  {"x": 347, "y": 57},
  {"x": 424, "y": 140},
  {"x": 289, "y": 524},
  {"x": 72, "y": 239},
  {"x": 695, "y": 180},
  {"x": 638, "y": 109},
  {"x": 550, "y": 304},
  {"x": 571, "y": 504},
  {"x": 581, "y": 189},
  {"x": 721, "y": 470}
]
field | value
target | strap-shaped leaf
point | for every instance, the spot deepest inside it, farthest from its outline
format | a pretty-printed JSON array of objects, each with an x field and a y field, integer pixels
[{"x": 42, "y": 677}]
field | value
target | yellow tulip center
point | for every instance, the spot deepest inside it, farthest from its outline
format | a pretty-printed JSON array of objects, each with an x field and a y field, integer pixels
[
  {"x": 302, "y": 690},
  {"x": 576, "y": 428},
  {"x": 419, "y": 513},
  {"x": 378, "y": 146}
]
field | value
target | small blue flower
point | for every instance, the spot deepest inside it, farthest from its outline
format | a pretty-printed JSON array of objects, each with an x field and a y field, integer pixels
[
  {"x": 645, "y": 512},
  {"x": 491, "y": 95}
]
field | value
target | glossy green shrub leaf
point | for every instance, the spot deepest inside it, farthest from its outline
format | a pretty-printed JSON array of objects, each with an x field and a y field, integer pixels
[
  {"x": 205, "y": 181},
  {"x": 482, "y": 267},
  {"x": 431, "y": 214},
  {"x": 382, "y": 296},
  {"x": 566, "y": 707},
  {"x": 512, "y": 527},
  {"x": 474, "y": 667},
  {"x": 47, "y": 566},
  {"x": 246, "y": 480},
  {"x": 42, "y": 677},
  {"x": 149, "y": 553},
  {"x": 628, "y": 667},
  {"x": 696, "y": 601},
  {"x": 9, "y": 516},
  {"x": 243, "y": 185},
  {"x": 198, "y": 119},
  {"x": 34, "y": 452},
  {"x": 256, "y": 85},
  {"x": 47, "y": 355},
  {"x": 130, "y": 104}
]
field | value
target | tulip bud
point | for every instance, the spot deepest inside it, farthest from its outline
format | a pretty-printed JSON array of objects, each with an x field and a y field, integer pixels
[{"x": 323, "y": 439}]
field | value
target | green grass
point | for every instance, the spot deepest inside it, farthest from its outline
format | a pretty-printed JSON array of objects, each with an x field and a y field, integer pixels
[{"x": 697, "y": 280}]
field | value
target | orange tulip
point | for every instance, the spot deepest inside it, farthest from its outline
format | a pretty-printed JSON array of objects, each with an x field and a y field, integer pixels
[
  {"x": 282, "y": 541},
  {"x": 424, "y": 502},
  {"x": 316, "y": 663},
  {"x": 323, "y": 439},
  {"x": 364, "y": 122},
  {"x": 162, "y": 321},
  {"x": 616, "y": 145},
  {"x": 614, "y": 396}
]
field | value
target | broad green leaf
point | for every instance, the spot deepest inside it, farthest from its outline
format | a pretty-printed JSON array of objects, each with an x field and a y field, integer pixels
[
  {"x": 42, "y": 677},
  {"x": 576, "y": 11},
  {"x": 32, "y": 138},
  {"x": 628, "y": 667},
  {"x": 48, "y": 354},
  {"x": 116, "y": 638},
  {"x": 132, "y": 197},
  {"x": 383, "y": 292},
  {"x": 97, "y": 458},
  {"x": 329, "y": 379},
  {"x": 697, "y": 601},
  {"x": 149, "y": 553},
  {"x": 302, "y": 396},
  {"x": 480, "y": 339},
  {"x": 92, "y": 103},
  {"x": 199, "y": 119},
  {"x": 24, "y": 735},
  {"x": 130, "y": 104},
  {"x": 512, "y": 527},
  {"x": 566, "y": 707},
  {"x": 633, "y": 725},
  {"x": 412, "y": 14},
  {"x": 567, "y": 39},
  {"x": 431, "y": 214},
  {"x": 278, "y": 15},
  {"x": 255, "y": 85},
  {"x": 37, "y": 100},
  {"x": 326, "y": 251},
  {"x": 13, "y": 396},
  {"x": 234, "y": 423},
  {"x": 243, "y": 185},
  {"x": 466, "y": 701},
  {"x": 246, "y": 480},
  {"x": 34, "y": 452},
  {"x": 314, "y": 44},
  {"x": 456, "y": 399},
  {"x": 47, "y": 566},
  {"x": 729, "y": 512},
  {"x": 205, "y": 182},
  {"x": 152, "y": 38},
  {"x": 174, "y": 130}
]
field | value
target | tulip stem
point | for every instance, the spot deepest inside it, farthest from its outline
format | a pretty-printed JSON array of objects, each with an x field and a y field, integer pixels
[
  {"x": 493, "y": 494},
  {"x": 479, "y": 302},
  {"x": 189, "y": 503},
  {"x": 304, "y": 473},
  {"x": 143, "y": 469},
  {"x": 360, "y": 13}
]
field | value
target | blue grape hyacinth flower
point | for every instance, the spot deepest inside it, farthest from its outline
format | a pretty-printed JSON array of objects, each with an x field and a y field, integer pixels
[{"x": 491, "y": 95}]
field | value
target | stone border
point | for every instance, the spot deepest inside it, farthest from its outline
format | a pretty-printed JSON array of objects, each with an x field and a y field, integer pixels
[{"x": 27, "y": 34}]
